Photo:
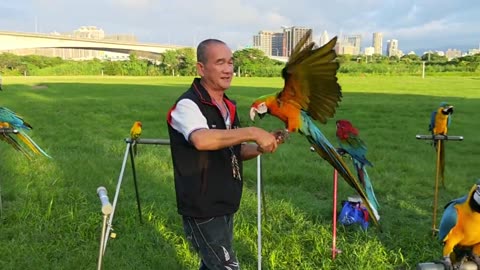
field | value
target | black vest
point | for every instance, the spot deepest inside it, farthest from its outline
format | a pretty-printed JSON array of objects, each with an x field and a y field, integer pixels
[{"x": 204, "y": 182}]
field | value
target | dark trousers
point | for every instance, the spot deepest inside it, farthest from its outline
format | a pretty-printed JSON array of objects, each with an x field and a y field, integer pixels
[{"x": 212, "y": 239}]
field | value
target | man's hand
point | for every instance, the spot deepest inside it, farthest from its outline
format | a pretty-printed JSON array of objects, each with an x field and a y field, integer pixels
[{"x": 266, "y": 141}]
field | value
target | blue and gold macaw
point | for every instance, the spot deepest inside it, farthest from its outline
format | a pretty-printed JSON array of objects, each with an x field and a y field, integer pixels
[
  {"x": 439, "y": 122},
  {"x": 10, "y": 120},
  {"x": 311, "y": 92},
  {"x": 460, "y": 226},
  {"x": 350, "y": 142}
]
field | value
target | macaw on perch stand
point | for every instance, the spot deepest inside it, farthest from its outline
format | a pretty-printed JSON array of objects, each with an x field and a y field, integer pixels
[
  {"x": 10, "y": 120},
  {"x": 459, "y": 227},
  {"x": 311, "y": 92}
]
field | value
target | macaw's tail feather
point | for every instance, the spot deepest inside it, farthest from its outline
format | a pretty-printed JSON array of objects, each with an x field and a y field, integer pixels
[
  {"x": 326, "y": 150},
  {"x": 367, "y": 184},
  {"x": 31, "y": 144},
  {"x": 10, "y": 140}
]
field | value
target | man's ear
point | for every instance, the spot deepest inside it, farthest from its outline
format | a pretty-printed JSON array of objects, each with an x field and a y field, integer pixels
[{"x": 200, "y": 68}]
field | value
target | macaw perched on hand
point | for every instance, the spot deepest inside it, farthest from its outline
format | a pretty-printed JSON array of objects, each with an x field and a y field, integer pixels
[
  {"x": 439, "y": 122},
  {"x": 135, "y": 133},
  {"x": 310, "y": 92},
  {"x": 351, "y": 143},
  {"x": 9, "y": 119},
  {"x": 460, "y": 226}
]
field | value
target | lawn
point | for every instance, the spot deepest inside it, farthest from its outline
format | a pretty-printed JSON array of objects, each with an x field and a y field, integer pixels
[{"x": 51, "y": 216}]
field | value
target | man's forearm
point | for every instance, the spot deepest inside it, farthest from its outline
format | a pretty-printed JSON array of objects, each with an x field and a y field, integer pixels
[{"x": 214, "y": 139}]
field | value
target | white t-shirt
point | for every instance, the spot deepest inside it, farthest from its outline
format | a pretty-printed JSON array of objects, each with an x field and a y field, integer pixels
[{"x": 187, "y": 117}]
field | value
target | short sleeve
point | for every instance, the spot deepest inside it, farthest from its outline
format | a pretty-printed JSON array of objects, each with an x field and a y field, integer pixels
[{"x": 186, "y": 117}]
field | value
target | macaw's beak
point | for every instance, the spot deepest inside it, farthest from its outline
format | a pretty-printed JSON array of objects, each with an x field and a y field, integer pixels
[
  {"x": 448, "y": 110},
  {"x": 254, "y": 112}
]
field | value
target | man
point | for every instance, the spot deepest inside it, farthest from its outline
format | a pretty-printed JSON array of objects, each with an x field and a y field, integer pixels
[{"x": 208, "y": 147}]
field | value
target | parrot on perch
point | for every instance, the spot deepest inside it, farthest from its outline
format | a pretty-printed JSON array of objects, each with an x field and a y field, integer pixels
[
  {"x": 439, "y": 122},
  {"x": 10, "y": 120},
  {"x": 459, "y": 226},
  {"x": 135, "y": 133},
  {"x": 350, "y": 143}
]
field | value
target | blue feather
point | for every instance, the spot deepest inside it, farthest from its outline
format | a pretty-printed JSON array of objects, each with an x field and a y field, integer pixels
[{"x": 449, "y": 218}]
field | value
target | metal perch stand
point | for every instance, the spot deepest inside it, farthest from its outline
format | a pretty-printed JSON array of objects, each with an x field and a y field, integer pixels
[
  {"x": 128, "y": 151},
  {"x": 440, "y": 139}
]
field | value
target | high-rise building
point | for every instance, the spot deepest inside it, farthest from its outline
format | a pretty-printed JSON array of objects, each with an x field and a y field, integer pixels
[
  {"x": 377, "y": 43},
  {"x": 324, "y": 38},
  {"x": 291, "y": 36},
  {"x": 350, "y": 44},
  {"x": 392, "y": 47},
  {"x": 277, "y": 44},
  {"x": 263, "y": 41}
]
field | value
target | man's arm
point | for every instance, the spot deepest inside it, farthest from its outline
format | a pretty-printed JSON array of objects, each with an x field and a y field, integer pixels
[
  {"x": 249, "y": 151},
  {"x": 214, "y": 139},
  {"x": 188, "y": 120}
]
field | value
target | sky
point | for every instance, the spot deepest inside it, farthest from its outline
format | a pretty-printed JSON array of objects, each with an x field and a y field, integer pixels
[{"x": 417, "y": 25}]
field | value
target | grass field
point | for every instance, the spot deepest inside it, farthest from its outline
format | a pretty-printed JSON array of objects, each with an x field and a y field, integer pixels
[{"x": 51, "y": 216}]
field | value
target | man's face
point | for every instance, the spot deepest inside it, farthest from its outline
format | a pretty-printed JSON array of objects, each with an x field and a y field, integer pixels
[{"x": 217, "y": 72}]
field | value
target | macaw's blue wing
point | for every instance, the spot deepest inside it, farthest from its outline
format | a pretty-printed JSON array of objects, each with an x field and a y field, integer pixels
[
  {"x": 432, "y": 121},
  {"x": 449, "y": 218}
]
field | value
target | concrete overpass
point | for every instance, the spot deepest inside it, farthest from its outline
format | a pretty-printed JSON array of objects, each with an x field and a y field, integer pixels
[{"x": 19, "y": 40}]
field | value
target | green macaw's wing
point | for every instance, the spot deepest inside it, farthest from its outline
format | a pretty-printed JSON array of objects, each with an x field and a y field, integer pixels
[{"x": 310, "y": 79}]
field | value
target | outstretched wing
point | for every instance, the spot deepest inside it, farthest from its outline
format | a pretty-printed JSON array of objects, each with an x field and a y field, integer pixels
[{"x": 310, "y": 79}]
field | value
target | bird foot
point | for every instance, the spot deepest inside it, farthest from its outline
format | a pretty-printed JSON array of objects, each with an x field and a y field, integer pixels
[
  {"x": 447, "y": 263},
  {"x": 281, "y": 135},
  {"x": 476, "y": 260}
]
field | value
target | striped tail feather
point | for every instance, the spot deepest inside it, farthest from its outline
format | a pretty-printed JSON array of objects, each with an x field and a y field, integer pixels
[
  {"x": 31, "y": 144},
  {"x": 326, "y": 150},
  {"x": 14, "y": 143}
]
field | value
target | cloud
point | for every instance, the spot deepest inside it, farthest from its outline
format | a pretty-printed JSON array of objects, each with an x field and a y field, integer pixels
[{"x": 414, "y": 23}]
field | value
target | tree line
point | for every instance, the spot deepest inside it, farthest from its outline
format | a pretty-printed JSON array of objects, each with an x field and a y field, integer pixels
[{"x": 247, "y": 62}]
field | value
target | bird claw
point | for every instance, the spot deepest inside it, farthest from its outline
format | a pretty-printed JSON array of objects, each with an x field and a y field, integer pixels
[
  {"x": 476, "y": 260},
  {"x": 447, "y": 263},
  {"x": 341, "y": 151},
  {"x": 281, "y": 135}
]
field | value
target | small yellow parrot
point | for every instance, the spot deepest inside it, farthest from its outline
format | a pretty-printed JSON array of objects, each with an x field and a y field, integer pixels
[{"x": 135, "y": 133}]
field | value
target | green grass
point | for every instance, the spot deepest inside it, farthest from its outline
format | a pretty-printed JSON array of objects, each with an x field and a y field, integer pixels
[{"x": 51, "y": 216}]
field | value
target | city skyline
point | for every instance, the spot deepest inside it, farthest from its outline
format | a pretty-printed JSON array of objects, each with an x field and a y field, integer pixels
[{"x": 429, "y": 25}]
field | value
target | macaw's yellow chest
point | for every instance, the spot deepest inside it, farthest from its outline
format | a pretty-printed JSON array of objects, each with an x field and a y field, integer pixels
[
  {"x": 441, "y": 121},
  {"x": 468, "y": 225}
]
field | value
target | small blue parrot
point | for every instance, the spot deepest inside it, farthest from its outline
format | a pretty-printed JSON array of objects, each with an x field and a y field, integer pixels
[{"x": 460, "y": 226}]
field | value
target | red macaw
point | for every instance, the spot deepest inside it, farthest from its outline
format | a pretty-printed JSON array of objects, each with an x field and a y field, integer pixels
[
  {"x": 439, "y": 122},
  {"x": 310, "y": 92},
  {"x": 10, "y": 120},
  {"x": 350, "y": 142},
  {"x": 459, "y": 227}
]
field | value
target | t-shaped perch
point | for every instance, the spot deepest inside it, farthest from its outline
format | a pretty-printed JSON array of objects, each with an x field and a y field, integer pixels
[{"x": 439, "y": 139}]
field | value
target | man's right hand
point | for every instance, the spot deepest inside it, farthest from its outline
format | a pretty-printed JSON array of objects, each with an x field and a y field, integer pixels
[{"x": 266, "y": 141}]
